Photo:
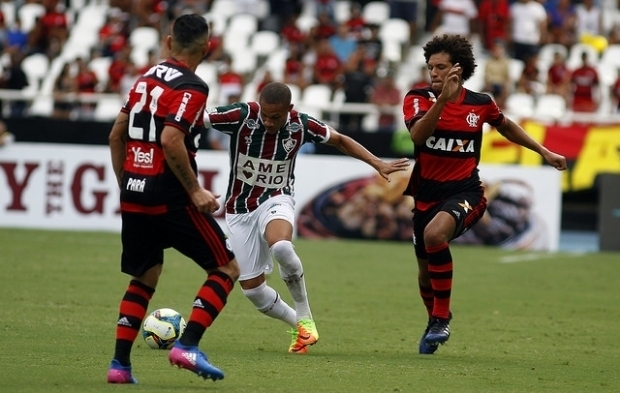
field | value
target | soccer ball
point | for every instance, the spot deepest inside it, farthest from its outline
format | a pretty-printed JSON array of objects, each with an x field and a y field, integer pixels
[{"x": 162, "y": 328}]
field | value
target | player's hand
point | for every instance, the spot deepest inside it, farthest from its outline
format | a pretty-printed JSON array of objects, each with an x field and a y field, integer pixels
[
  {"x": 205, "y": 201},
  {"x": 452, "y": 83},
  {"x": 555, "y": 160},
  {"x": 385, "y": 168}
]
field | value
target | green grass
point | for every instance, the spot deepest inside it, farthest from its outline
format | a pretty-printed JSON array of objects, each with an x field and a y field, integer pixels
[{"x": 548, "y": 323}]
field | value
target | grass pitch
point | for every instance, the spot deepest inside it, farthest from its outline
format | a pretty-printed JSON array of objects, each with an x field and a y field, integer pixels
[{"x": 523, "y": 322}]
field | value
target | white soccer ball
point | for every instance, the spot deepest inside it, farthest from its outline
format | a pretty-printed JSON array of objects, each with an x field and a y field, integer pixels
[{"x": 162, "y": 328}]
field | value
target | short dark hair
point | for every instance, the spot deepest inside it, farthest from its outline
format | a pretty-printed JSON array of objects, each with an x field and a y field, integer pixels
[
  {"x": 458, "y": 47},
  {"x": 190, "y": 31},
  {"x": 276, "y": 93}
]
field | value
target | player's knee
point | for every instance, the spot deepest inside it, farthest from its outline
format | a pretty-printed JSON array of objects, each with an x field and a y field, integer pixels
[
  {"x": 263, "y": 297},
  {"x": 284, "y": 252},
  {"x": 231, "y": 269}
]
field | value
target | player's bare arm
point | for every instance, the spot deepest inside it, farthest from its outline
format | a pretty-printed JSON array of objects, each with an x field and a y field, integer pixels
[
  {"x": 353, "y": 149},
  {"x": 447, "y": 77},
  {"x": 118, "y": 141},
  {"x": 172, "y": 142},
  {"x": 514, "y": 133}
]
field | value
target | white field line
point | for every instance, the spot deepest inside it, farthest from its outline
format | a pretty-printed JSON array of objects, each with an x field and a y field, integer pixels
[{"x": 532, "y": 257}]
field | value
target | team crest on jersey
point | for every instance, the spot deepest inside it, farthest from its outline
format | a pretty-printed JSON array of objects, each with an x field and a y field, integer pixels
[
  {"x": 248, "y": 140},
  {"x": 251, "y": 124},
  {"x": 472, "y": 119},
  {"x": 289, "y": 144},
  {"x": 293, "y": 127}
]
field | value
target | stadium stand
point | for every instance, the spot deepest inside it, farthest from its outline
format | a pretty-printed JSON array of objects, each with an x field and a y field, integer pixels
[{"x": 255, "y": 46}]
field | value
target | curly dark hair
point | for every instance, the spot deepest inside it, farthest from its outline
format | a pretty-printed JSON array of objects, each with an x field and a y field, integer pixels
[{"x": 458, "y": 47}]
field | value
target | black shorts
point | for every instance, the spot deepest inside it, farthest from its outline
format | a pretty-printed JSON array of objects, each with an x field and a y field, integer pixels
[
  {"x": 467, "y": 208},
  {"x": 195, "y": 235}
]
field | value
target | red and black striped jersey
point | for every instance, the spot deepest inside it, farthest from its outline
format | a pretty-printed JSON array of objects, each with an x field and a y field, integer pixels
[
  {"x": 169, "y": 94},
  {"x": 447, "y": 163},
  {"x": 261, "y": 164}
]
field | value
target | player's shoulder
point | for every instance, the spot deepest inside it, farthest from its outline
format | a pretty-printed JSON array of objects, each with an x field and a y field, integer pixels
[
  {"x": 476, "y": 98},
  {"x": 176, "y": 75},
  {"x": 425, "y": 92}
]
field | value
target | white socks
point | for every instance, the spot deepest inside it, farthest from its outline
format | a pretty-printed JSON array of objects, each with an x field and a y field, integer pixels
[
  {"x": 292, "y": 273},
  {"x": 269, "y": 302}
]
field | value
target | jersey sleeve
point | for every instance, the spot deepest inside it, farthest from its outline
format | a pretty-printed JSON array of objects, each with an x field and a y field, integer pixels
[
  {"x": 317, "y": 131},
  {"x": 226, "y": 118},
  {"x": 186, "y": 107},
  {"x": 495, "y": 117},
  {"x": 415, "y": 104}
]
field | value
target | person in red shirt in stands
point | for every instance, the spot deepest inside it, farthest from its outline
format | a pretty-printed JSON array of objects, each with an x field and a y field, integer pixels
[
  {"x": 86, "y": 83},
  {"x": 356, "y": 22},
  {"x": 292, "y": 35},
  {"x": 294, "y": 69},
  {"x": 117, "y": 69},
  {"x": 50, "y": 32},
  {"x": 615, "y": 95},
  {"x": 114, "y": 34},
  {"x": 558, "y": 76},
  {"x": 494, "y": 18},
  {"x": 231, "y": 82},
  {"x": 324, "y": 29},
  {"x": 584, "y": 83},
  {"x": 424, "y": 80},
  {"x": 328, "y": 68}
]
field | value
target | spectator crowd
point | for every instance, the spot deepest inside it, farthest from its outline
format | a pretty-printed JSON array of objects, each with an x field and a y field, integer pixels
[{"x": 534, "y": 47}]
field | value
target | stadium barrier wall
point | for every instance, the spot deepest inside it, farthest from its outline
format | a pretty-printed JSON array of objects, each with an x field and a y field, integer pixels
[
  {"x": 609, "y": 213},
  {"x": 72, "y": 187}
]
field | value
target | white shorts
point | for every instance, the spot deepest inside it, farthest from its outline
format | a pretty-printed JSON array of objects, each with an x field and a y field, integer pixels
[{"x": 247, "y": 234}]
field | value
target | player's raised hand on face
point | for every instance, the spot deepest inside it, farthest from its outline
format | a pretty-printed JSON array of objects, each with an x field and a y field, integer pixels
[{"x": 452, "y": 82}]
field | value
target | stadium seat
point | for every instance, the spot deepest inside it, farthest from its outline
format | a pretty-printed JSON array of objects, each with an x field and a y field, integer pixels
[
  {"x": 208, "y": 72},
  {"x": 295, "y": 94},
  {"x": 244, "y": 61},
  {"x": 8, "y": 9},
  {"x": 306, "y": 22},
  {"x": 276, "y": 62},
  {"x": 144, "y": 37},
  {"x": 42, "y": 106},
  {"x": 108, "y": 107},
  {"x": 574, "y": 55},
  {"x": 476, "y": 81},
  {"x": 264, "y": 42},
  {"x": 392, "y": 51},
  {"x": 342, "y": 11},
  {"x": 376, "y": 12},
  {"x": 35, "y": 66},
  {"x": 516, "y": 67},
  {"x": 226, "y": 8},
  {"x": 415, "y": 56},
  {"x": 217, "y": 22},
  {"x": 243, "y": 23},
  {"x": 550, "y": 107},
  {"x": 547, "y": 52},
  {"x": 611, "y": 56},
  {"x": 394, "y": 29},
  {"x": 235, "y": 41},
  {"x": 101, "y": 67},
  {"x": 520, "y": 105},
  {"x": 28, "y": 14},
  {"x": 316, "y": 96},
  {"x": 90, "y": 18}
]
